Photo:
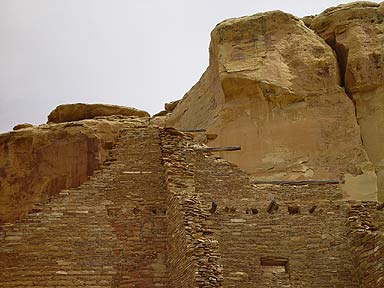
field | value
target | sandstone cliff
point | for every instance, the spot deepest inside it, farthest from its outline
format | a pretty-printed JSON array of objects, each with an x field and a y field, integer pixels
[
  {"x": 285, "y": 91},
  {"x": 356, "y": 33}
]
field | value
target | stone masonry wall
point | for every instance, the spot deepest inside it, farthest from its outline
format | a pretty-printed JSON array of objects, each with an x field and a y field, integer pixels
[
  {"x": 161, "y": 213},
  {"x": 366, "y": 235},
  {"x": 193, "y": 259},
  {"x": 109, "y": 232},
  {"x": 137, "y": 208},
  {"x": 276, "y": 249}
]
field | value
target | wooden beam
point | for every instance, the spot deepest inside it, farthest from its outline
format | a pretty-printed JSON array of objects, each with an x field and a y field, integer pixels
[
  {"x": 193, "y": 130},
  {"x": 273, "y": 206},
  {"x": 295, "y": 182},
  {"x": 216, "y": 149}
]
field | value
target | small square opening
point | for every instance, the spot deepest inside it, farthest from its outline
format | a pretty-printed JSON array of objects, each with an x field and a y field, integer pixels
[{"x": 294, "y": 209}]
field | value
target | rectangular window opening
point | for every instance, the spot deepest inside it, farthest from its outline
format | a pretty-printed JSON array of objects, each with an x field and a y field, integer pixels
[{"x": 274, "y": 264}]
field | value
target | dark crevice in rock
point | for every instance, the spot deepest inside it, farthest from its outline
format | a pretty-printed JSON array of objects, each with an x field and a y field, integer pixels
[{"x": 341, "y": 53}]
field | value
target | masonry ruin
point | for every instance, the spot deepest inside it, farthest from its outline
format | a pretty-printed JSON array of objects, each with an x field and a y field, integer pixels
[
  {"x": 145, "y": 219},
  {"x": 266, "y": 174}
]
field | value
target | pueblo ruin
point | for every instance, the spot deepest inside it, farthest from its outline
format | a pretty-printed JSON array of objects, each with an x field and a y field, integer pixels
[{"x": 269, "y": 172}]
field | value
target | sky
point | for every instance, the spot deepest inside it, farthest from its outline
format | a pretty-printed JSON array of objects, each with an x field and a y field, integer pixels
[{"x": 137, "y": 53}]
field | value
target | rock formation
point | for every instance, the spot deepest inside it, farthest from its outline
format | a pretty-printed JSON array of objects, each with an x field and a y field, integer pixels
[
  {"x": 80, "y": 111},
  {"x": 356, "y": 33},
  {"x": 285, "y": 89},
  {"x": 22, "y": 126}
]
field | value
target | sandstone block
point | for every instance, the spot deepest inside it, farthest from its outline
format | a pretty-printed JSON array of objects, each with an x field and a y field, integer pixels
[{"x": 80, "y": 111}]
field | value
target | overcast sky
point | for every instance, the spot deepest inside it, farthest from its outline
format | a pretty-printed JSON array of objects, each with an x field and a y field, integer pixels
[{"x": 139, "y": 53}]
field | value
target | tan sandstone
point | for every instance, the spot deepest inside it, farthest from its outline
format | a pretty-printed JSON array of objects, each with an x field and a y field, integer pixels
[
  {"x": 356, "y": 33},
  {"x": 22, "y": 126},
  {"x": 80, "y": 111},
  {"x": 273, "y": 87}
]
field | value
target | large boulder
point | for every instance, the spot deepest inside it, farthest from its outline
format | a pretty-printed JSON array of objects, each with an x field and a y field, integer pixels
[
  {"x": 80, "y": 111},
  {"x": 273, "y": 87},
  {"x": 356, "y": 32}
]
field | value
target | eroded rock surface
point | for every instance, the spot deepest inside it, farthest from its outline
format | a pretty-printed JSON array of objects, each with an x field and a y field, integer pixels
[
  {"x": 36, "y": 163},
  {"x": 22, "y": 126},
  {"x": 80, "y": 111},
  {"x": 356, "y": 33},
  {"x": 274, "y": 87}
]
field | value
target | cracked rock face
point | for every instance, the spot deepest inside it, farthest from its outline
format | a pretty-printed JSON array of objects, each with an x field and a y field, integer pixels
[
  {"x": 275, "y": 87},
  {"x": 356, "y": 32}
]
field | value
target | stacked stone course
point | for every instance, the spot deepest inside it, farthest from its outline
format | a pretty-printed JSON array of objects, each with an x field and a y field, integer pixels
[
  {"x": 193, "y": 261},
  {"x": 314, "y": 245},
  {"x": 366, "y": 236}
]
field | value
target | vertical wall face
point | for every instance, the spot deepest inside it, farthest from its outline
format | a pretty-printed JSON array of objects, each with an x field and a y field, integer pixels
[
  {"x": 366, "y": 227},
  {"x": 137, "y": 208},
  {"x": 193, "y": 256},
  {"x": 308, "y": 248},
  {"x": 355, "y": 31},
  {"x": 181, "y": 263}
]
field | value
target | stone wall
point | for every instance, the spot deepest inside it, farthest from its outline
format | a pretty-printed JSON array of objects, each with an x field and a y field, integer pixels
[
  {"x": 366, "y": 236},
  {"x": 162, "y": 213},
  {"x": 193, "y": 259},
  {"x": 109, "y": 232},
  {"x": 308, "y": 248},
  {"x": 137, "y": 208}
]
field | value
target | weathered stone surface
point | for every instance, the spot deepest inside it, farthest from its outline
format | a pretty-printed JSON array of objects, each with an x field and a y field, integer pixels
[
  {"x": 160, "y": 114},
  {"x": 356, "y": 33},
  {"x": 273, "y": 87},
  {"x": 36, "y": 163},
  {"x": 169, "y": 107},
  {"x": 22, "y": 126},
  {"x": 80, "y": 111},
  {"x": 366, "y": 239}
]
